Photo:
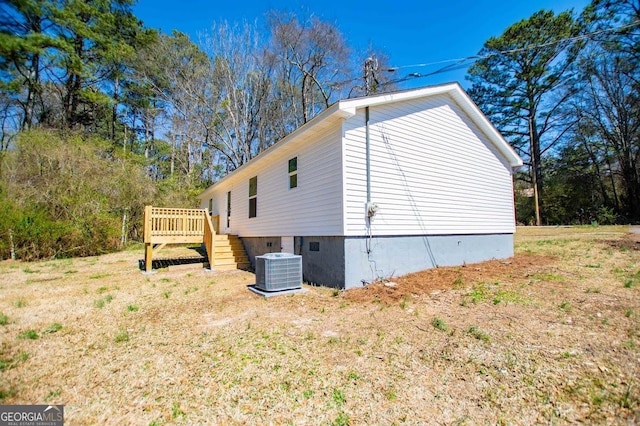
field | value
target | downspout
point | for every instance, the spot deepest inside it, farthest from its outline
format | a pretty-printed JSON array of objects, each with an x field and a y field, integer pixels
[
  {"x": 368, "y": 154},
  {"x": 370, "y": 208},
  {"x": 367, "y": 140}
]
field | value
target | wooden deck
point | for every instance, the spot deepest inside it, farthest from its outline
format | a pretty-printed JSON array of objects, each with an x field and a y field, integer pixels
[{"x": 164, "y": 226}]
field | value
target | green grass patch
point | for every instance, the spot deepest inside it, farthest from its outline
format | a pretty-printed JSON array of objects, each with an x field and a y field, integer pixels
[
  {"x": 565, "y": 306},
  {"x": 341, "y": 420},
  {"x": 339, "y": 398},
  {"x": 98, "y": 276},
  {"x": 478, "y": 334},
  {"x": 541, "y": 243},
  {"x": 6, "y": 393},
  {"x": 483, "y": 291},
  {"x": 176, "y": 411},
  {"x": 53, "y": 394},
  {"x": 103, "y": 301},
  {"x": 439, "y": 324},
  {"x": 4, "y": 320},
  {"x": 29, "y": 335},
  {"x": 53, "y": 328},
  {"x": 404, "y": 303},
  {"x": 9, "y": 363},
  {"x": 629, "y": 344},
  {"x": 478, "y": 293},
  {"x": 132, "y": 308},
  {"x": 121, "y": 336},
  {"x": 20, "y": 303},
  {"x": 510, "y": 296},
  {"x": 545, "y": 276},
  {"x": 458, "y": 283},
  {"x": 353, "y": 376}
]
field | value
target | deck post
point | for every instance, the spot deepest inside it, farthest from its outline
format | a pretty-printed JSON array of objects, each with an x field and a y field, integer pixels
[
  {"x": 209, "y": 239},
  {"x": 148, "y": 257},
  {"x": 148, "y": 245}
]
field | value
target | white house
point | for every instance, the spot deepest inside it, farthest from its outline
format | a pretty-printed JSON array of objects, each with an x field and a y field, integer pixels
[{"x": 376, "y": 187}]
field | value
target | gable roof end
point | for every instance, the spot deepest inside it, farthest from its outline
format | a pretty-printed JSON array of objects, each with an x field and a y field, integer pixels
[{"x": 455, "y": 91}]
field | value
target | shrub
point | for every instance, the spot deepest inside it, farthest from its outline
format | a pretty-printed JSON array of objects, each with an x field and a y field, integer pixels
[{"x": 64, "y": 195}]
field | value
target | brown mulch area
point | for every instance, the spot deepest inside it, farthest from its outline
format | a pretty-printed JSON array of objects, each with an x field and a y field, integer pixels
[{"x": 445, "y": 278}]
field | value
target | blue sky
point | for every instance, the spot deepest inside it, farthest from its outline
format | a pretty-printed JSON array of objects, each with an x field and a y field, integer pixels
[{"x": 409, "y": 31}]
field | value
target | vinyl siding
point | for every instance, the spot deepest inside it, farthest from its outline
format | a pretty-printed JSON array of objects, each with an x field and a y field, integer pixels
[
  {"x": 432, "y": 172},
  {"x": 313, "y": 208}
]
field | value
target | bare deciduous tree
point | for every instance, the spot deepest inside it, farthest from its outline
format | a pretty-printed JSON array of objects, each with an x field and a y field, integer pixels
[{"x": 314, "y": 64}]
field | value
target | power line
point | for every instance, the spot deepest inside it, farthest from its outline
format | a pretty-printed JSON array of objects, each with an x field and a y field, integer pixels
[{"x": 460, "y": 63}]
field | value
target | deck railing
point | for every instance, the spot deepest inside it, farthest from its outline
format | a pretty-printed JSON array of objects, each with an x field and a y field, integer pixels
[{"x": 177, "y": 226}]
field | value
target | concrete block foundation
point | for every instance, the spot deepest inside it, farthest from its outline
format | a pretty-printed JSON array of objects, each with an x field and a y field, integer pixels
[{"x": 351, "y": 262}]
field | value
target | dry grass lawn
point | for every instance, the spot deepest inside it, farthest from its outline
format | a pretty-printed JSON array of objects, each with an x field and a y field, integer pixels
[{"x": 551, "y": 336}]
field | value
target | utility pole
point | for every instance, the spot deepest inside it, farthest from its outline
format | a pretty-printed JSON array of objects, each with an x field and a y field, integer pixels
[{"x": 370, "y": 81}]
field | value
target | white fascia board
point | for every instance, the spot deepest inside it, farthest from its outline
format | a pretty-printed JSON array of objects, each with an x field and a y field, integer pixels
[{"x": 405, "y": 95}]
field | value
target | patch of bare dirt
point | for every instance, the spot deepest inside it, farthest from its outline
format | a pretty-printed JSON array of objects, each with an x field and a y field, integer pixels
[
  {"x": 630, "y": 241},
  {"x": 445, "y": 278}
]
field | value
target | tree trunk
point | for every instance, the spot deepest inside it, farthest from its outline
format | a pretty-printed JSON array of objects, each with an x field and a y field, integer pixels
[
  {"x": 632, "y": 187},
  {"x": 123, "y": 236},
  {"x": 114, "y": 109},
  {"x": 73, "y": 86},
  {"x": 536, "y": 168}
]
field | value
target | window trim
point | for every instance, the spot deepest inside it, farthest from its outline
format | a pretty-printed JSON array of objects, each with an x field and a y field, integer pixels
[
  {"x": 253, "y": 197},
  {"x": 293, "y": 172}
]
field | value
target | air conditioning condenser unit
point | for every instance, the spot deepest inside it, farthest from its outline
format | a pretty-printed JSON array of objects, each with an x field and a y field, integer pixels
[{"x": 278, "y": 271}]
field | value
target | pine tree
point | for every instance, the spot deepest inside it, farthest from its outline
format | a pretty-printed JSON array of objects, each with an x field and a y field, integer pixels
[{"x": 518, "y": 82}]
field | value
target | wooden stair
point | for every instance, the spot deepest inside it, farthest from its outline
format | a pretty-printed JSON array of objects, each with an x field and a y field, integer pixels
[{"x": 229, "y": 253}]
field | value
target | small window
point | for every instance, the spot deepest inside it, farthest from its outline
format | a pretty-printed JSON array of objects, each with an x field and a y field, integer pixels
[
  {"x": 314, "y": 246},
  {"x": 253, "y": 186},
  {"x": 253, "y": 197},
  {"x": 293, "y": 173},
  {"x": 228, "y": 209},
  {"x": 253, "y": 207}
]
